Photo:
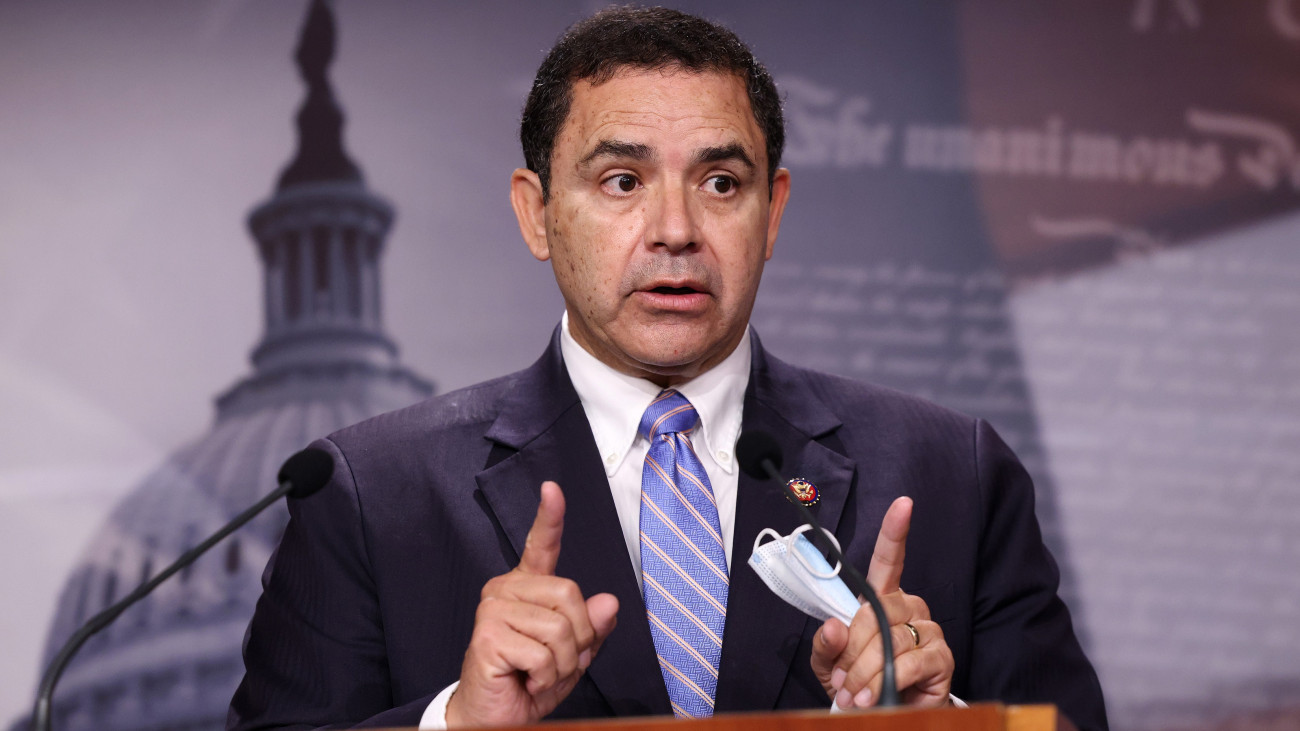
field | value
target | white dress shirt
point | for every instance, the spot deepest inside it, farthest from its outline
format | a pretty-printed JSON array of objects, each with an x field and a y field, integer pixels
[{"x": 614, "y": 403}]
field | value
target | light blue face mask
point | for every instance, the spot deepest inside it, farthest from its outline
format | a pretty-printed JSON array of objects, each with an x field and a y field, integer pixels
[{"x": 796, "y": 571}]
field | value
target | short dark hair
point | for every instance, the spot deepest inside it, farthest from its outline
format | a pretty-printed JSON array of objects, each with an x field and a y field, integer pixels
[{"x": 598, "y": 47}]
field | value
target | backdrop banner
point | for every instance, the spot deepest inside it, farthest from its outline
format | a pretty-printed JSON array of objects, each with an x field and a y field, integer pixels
[{"x": 1075, "y": 219}]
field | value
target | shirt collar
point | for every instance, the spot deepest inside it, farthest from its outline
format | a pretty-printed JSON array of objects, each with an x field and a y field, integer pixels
[{"x": 614, "y": 401}]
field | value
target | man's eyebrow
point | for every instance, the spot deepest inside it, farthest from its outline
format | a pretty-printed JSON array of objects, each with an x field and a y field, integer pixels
[
  {"x": 618, "y": 149},
  {"x": 734, "y": 151}
]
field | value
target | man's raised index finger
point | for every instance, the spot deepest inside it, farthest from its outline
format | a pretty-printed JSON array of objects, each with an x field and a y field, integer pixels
[
  {"x": 886, "y": 568},
  {"x": 542, "y": 547}
]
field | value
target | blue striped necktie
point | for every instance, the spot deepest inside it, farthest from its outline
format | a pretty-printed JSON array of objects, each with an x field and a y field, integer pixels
[{"x": 683, "y": 565}]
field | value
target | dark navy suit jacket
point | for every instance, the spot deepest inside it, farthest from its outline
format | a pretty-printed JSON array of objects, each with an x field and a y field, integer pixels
[{"x": 369, "y": 601}]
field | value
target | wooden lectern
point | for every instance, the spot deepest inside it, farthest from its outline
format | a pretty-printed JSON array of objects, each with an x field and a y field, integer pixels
[{"x": 980, "y": 717}]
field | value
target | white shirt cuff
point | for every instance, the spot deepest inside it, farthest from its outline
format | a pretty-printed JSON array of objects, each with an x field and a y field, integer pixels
[{"x": 435, "y": 716}]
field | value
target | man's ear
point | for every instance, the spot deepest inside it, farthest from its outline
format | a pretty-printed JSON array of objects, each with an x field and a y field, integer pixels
[
  {"x": 526, "y": 198},
  {"x": 776, "y": 208}
]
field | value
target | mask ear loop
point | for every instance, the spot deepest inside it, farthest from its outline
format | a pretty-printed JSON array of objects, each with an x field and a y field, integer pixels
[
  {"x": 766, "y": 532},
  {"x": 804, "y": 561}
]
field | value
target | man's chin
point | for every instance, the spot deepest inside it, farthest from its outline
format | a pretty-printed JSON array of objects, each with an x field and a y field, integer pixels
[
  {"x": 678, "y": 361},
  {"x": 662, "y": 349}
]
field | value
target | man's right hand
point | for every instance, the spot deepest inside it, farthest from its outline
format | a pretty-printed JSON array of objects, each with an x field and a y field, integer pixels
[{"x": 534, "y": 635}]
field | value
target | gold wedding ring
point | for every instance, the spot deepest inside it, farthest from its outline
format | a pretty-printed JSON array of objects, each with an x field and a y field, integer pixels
[{"x": 916, "y": 636}]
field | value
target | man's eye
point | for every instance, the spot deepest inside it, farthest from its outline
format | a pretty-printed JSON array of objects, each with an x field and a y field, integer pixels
[
  {"x": 722, "y": 184},
  {"x": 625, "y": 183}
]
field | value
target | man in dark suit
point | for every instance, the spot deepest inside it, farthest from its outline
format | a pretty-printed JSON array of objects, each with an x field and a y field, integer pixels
[{"x": 434, "y": 582}]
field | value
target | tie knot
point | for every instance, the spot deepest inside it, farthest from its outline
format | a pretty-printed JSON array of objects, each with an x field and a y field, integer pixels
[{"x": 669, "y": 413}]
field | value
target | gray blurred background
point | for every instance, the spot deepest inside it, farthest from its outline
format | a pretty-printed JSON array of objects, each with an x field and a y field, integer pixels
[{"x": 1077, "y": 219}]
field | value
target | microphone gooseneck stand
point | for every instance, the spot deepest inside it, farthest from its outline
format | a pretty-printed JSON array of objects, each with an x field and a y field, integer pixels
[{"x": 301, "y": 476}]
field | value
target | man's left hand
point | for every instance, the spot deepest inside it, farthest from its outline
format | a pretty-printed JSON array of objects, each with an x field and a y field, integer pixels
[{"x": 848, "y": 660}]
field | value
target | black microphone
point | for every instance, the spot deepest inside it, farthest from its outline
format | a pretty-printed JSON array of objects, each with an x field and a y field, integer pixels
[
  {"x": 760, "y": 457},
  {"x": 302, "y": 475}
]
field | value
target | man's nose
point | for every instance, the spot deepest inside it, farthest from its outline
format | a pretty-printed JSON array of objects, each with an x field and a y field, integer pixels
[{"x": 671, "y": 220}]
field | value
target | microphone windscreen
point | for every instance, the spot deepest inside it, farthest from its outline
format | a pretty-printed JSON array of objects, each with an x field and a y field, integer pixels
[
  {"x": 754, "y": 447},
  {"x": 309, "y": 470}
]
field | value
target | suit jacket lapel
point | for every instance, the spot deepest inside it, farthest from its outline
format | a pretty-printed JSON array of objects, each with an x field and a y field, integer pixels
[
  {"x": 763, "y": 632},
  {"x": 544, "y": 421}
]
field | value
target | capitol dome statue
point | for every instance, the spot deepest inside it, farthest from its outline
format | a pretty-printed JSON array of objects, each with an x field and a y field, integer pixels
[{"x": 172, "y": 662}]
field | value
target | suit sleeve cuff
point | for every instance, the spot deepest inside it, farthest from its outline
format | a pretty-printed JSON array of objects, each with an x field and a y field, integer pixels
[{"x": 435, "y": 715}]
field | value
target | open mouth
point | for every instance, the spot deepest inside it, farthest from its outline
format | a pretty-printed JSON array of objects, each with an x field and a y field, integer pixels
[{"x": 683, "y": 297}]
